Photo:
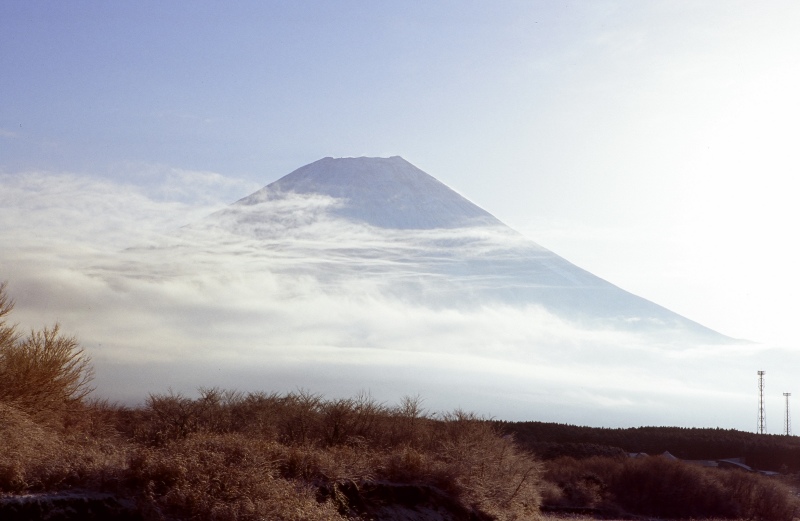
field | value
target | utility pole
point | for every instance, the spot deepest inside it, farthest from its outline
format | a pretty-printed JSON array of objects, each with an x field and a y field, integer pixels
[
  {"x": 762, "y": 421},
  {"x": 787, "y": 421}
]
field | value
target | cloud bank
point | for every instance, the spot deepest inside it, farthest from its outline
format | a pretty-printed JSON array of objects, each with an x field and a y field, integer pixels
[{"x": 163, "y": 299}]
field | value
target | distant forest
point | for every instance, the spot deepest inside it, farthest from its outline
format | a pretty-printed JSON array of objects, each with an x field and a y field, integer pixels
[{"x": 761, "y": 451}]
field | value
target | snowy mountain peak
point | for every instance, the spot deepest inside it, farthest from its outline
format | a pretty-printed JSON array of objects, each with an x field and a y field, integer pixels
[
  {"x": 294, "y": 226},
  {"x": 383, "y": 192}
]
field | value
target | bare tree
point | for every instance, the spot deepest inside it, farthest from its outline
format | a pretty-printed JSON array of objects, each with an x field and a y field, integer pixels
[{"x": 44, "y": 372}]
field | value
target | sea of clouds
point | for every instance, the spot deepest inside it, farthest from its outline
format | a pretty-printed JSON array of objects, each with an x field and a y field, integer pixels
[{"x": 163, "y": 298}]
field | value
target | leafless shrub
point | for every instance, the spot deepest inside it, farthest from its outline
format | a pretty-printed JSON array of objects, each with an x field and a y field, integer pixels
[
  {"x": 580, "y": 483},
  {"x": 44, "y": 374},
  {"x": 8, "y": 332},
  {"x": 409, "y": 417},
  {"x": 40, "y": 457},
  {"x": 168, "y": 418},
  {"x": 350, "y": 420},
  {"x": 488, "y": 468},
  {"x": 300, "y": 417},
  {"x": 659, "y": 487},
  {"x": 27, "y": 448},
  {"x": 221, "y": 477},
  {"x": 760, "y": 497}
]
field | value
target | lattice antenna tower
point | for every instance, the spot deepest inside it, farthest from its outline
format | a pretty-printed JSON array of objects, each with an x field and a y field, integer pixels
[
  {"x": 787, "y": 420},
  {"x": 762, "y": 420}
]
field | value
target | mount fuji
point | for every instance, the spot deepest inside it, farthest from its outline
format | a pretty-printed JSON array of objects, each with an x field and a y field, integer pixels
[
  {"x": 367, "y": 273},
  {"x": 384, "y": 222}
]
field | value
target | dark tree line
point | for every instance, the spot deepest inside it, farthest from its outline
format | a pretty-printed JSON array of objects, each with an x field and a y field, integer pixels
[{"x": 761, "y": 451}]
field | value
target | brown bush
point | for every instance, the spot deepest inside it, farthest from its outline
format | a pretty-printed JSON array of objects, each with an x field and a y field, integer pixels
[
  {"x": 8, "y": 332},
  {"x": 221, "y": 477},
  {"x": 45, "y": 374},
  {"x": 661, "y": 487},
  {"x": 656, "y": 486},
  {"x": 31, "y": 452},
  {"x": 40, "y": 457},
  {"x": 331, "y": 443},
  {"x": 580, "y": 483},
  {"x": 488, "y": 468},
  {"x": 760, "y": 497},
  {"x": 190, "y": 471}
]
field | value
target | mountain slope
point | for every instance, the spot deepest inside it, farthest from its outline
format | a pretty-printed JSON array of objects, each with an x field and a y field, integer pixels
[
  {"x": 345, "y": 221},
  {"x": 383, "y": 192}
]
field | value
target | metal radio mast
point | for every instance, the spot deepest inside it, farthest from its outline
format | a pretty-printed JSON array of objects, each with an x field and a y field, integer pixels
[
  {"x": 762, "y": 421},
  {"x": 787, "y": 421}
]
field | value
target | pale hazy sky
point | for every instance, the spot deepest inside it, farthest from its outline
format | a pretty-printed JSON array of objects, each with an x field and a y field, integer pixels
[{"x": 654, "y": 144}]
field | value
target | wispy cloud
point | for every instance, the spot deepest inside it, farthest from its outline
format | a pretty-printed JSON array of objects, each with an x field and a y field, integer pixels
[{"x": 196, "y": 187}]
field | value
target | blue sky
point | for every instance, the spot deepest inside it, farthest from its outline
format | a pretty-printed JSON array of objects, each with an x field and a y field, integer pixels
[
  {"x": 245, "y": 89},
  {"x": 651, "y": 143}
]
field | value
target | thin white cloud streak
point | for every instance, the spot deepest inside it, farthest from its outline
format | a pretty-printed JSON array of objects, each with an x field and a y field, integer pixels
[
  {"x": 91, "y": 211},
  {"x": 241, "y": 315}
]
